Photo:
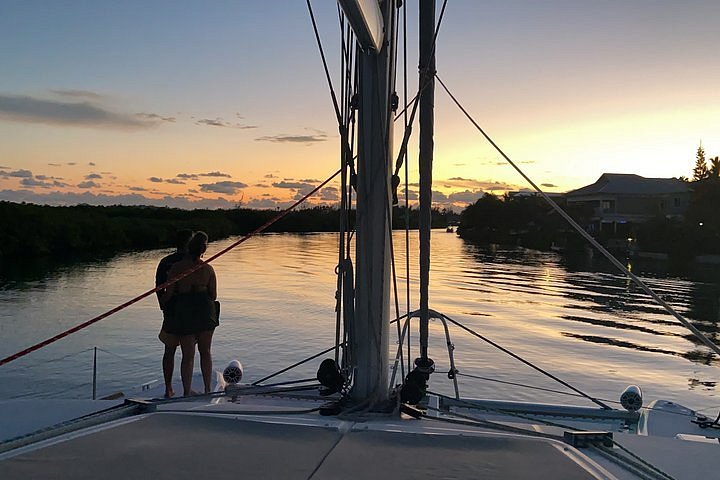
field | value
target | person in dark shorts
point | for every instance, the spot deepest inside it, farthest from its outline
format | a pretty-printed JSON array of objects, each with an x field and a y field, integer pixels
[
  {"x": 195, "y": 312},
  {"x": 170, "y": 341}
]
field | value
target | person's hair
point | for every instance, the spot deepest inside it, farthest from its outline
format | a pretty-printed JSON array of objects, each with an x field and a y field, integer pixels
[
  {"x": 182, "y": 237},
  {"x": 197, "y": 244}
]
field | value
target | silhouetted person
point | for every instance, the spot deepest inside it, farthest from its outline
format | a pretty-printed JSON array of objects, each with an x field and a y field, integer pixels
[
  {"x": 171, "y": 341},
  {"x": 195, "y": 315}
]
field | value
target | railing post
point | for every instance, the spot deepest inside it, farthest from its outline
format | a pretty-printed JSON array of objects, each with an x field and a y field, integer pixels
[{"x": 94, "y": 397}]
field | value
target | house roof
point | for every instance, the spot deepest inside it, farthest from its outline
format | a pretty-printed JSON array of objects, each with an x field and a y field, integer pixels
[{"x": 627, "y": 183}]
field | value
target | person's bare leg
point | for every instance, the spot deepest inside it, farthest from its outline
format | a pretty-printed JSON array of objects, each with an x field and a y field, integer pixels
[
  {"x": 204, "y": 343},
  {"x": 168, "y": 366},
  {"x": 187, "y": 345}
]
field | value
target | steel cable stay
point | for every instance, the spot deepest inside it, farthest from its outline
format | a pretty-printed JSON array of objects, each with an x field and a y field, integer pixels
[
  {"x": 697, "y": 333},
  {"x": 569, "y": 394},
  {"x": 170, "y": 282}
]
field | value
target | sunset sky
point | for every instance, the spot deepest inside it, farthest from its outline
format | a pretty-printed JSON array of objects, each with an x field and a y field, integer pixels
[{"x": 207, "y": 104}]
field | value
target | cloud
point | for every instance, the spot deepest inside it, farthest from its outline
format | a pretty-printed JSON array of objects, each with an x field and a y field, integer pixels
[
  {"x": 19, "y": 174},
  {"x": 21, "y": 108},
  {"x": 225, "y": 187},
  {"x": 282, "y": 138},
  {"x": 31, "y": 182},
  {"x": 92, "y": 175},
  {"x": 91, "y": 164},
  {"x": 465, "y": 197},
  {"x": 293, "y": 185},
  {"x": 261, "y": 185},
  {"x": 137, "y": 189},
  {"x": 187, "y": 176},
  {"x": 71, "y": 198},
  {"x": 219, "y": 122},
  {"x": 154, "y": 117},
  {"x": 270, "y": 175},
  {"x": 330, "y": 194},
  {"x": 472, "y": 184},
  {"x": 71, "y": 163},
  {"x": 88, "y": 184},
  {"x": 216, "y": 174},
  {"x": 412, "y": 195},
  {"x": 266, "y": 203},
  {"x": 54, "y": 164},
  {"x": 86, "y": 94},
  {"x": 174, "y": 181},
  {"x": 439, "y": 197},
  {"x": 155, "y": 179},
  {"x": 549, "y": 185}
]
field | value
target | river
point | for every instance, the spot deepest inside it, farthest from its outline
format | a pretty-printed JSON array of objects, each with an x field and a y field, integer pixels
[{"x": 591, "y": 328}]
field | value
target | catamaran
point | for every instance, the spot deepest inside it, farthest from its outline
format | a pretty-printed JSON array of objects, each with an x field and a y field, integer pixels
[{"x": 371, "y": 413}]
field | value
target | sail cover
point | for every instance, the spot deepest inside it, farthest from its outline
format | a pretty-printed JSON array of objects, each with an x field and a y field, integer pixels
[{"x": 366, "y": 20}]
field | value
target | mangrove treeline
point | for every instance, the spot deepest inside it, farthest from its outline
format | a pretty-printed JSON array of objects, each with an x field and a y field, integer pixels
[
  {"x": 530, "y": 222},
  {"x": 63, "y": 232}
]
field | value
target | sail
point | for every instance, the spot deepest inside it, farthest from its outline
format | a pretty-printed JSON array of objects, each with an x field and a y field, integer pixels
[{"x": 366, "y": 20}]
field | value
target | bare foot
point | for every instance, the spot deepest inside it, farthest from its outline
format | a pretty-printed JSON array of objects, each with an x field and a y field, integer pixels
[
  {"x": 191, "y": 393},
  {"x": 169, "y": 393}
]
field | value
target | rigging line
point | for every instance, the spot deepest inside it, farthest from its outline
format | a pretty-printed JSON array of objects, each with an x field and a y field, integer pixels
[
  {"x": 341, "y": 211},
  {"x": 122, "y": 357},
  {"x": 313, "y": 357},
  {"x": 697, "y": 333},
  {"x": 529, "y": 364},
  {"x": 242, "y": 412},
  {"x": 325, "y": 65},
  {"x": 296, "y": 364},
  {"x": 559, "y": 392},
  {"x": 641, "y": 460},
  {"x": 478, "y": 422},
  {"x": 397, "y": 300},
  {"x": 407, "y": 189},
  {"x": 69, "y": 355},
  {"x": 165, "y": 285},
  {"x": 336, "y": 107},
  {"x": 532, "y": 387},
  {"x": 637, "y": 469},
  {"x": 428, "y": 76},
  {"x": 291, "y": 382}
]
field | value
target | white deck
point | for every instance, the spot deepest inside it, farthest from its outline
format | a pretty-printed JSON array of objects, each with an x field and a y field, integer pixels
[{"x": 261, "y": 437}]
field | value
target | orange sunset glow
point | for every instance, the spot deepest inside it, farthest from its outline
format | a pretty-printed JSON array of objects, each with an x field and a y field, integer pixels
[{"x": 206, "y": 106}]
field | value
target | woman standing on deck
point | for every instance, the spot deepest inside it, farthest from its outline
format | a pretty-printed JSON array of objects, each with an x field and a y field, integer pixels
[{"x": 195, "y": 312}]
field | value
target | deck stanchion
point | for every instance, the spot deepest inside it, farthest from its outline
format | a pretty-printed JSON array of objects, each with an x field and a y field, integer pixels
[{"x": 94, "y": 373}]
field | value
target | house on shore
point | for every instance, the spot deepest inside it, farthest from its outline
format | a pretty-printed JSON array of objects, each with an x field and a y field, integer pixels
[{"x": 619, "y": 200}]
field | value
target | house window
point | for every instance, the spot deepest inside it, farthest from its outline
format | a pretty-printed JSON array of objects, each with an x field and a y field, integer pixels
[
  {"x": 677, "y": 202},
  {"x": 607, "y": 205}
]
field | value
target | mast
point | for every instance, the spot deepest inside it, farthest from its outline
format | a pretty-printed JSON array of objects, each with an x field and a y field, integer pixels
[
  {"x": 370, "y": 331},
  {"x": 426, "y": 143}
]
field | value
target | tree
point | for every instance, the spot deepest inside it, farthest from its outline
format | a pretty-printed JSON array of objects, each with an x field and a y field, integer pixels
[
  {"x": 700, "y": 171},
  {"x": 715, "y": 168}
]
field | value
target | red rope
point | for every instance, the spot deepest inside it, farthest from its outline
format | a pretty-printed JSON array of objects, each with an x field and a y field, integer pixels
[{"x": 86, "y": 324}]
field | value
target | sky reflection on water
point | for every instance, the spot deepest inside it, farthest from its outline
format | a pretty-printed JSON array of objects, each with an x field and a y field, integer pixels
[{"x": 595, "y": 330}]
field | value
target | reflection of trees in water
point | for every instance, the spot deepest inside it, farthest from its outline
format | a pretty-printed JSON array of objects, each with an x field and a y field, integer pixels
[
  {"x": 694, "y": 383},
  {"x": 697, "y": 356},
  {"x": 611, "y": 300}
]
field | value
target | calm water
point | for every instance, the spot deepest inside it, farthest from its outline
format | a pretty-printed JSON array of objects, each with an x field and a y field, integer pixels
[{"x": 592, "y": 329}]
